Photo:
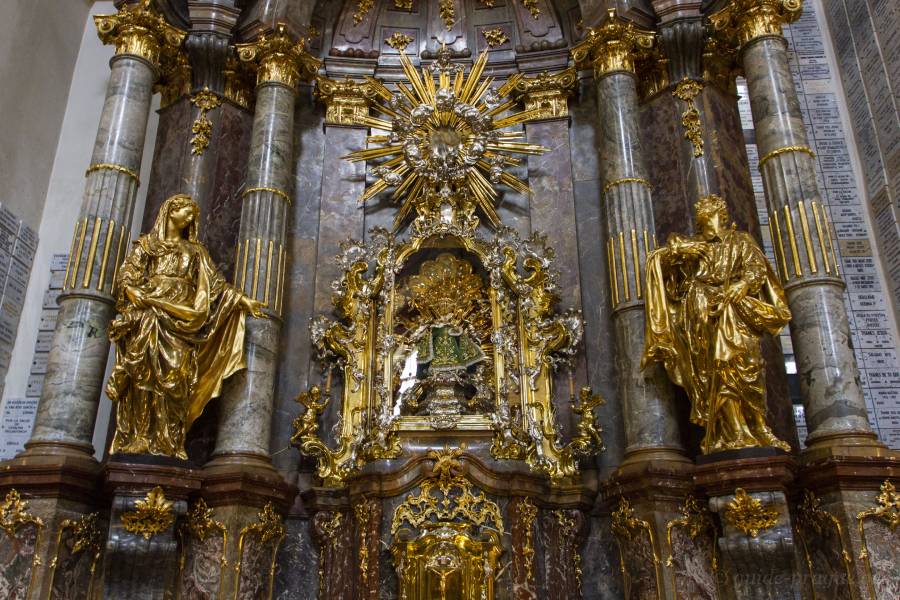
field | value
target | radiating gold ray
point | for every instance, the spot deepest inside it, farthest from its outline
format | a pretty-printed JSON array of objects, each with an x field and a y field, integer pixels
[
  {"x": 407, "y": 181},
  {"x": 479, "y": 92},
  {"x": 474, "y": 77},
  {"x": 458, "y": 83},
  {"x": 515, "y": 183},
  {"x": 502, "y": 108},
  {"x": 375, "y": 123},
  {"x": 380, "y": 88},
  {"x": 414, "y": 80},
  {"x": 378, "y": 139},
  {"x": 373, "y": 153},
  {"x": 408, "y": 93},
  {"x": 517, "y": 148},
  {"x": 510, "y": 85},
  {"x": 517, "y": 119},
  {"x": 373, "y": 190}
]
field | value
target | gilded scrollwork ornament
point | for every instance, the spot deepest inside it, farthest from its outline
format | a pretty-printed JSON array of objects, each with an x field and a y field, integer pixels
[
  {"x": 709, "y": 300},
  {"x": 464, "y": 338},
  {"x": 151, "y": 515}
]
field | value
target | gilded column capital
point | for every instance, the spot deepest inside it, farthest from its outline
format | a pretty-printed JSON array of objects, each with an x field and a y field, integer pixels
[
  {"x": 138, "y": 30},
  {"x": 279, "y": 58},
  {"x": 346, "y": 101},
  {"x": 614, "y": 45},
  {"x": 547, "y": 92},
  {"x": 747, "y": 20}
]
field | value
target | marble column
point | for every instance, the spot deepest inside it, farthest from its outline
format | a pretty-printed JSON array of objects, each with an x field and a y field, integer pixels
[
  {"x": 651, "y": 427},
  {"x": 78, "y": 355},
  {"x": 260, "y": 257},
  {"x": 801, "y": 230}
]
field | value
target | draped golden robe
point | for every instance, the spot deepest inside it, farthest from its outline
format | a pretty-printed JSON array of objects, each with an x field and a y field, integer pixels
[
  {"x": 709, "y": 347},
  {"x": 172, "y": 353}
]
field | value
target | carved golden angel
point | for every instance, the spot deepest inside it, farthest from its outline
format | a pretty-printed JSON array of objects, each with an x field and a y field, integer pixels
[
  {"x": 710, "y": 298},
  {"x": 179, "y": 334}
]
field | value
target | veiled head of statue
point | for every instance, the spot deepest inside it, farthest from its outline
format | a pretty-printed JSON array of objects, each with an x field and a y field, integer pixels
[
  {"x": 179, "y": 211},
  {"x": 712, "y": 215}
]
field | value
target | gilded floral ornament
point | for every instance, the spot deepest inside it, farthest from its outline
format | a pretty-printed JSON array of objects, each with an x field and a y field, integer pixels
[
  {"x": 687, "y": 90},
  {"x": 362, "y": 9},
  {"x": 205, "y": 101},
  {"x": 888, "y": 509},
  {"x": 447, "y": 10},
  {"x": 13, "y": 512},
  {"x": 139, "y": 30},
  {"x": 495, "y": 37},
  {"x": 399, "y": 41},
  {"x": 748, "y": 514},
  {"x": 444, "y": 142},
  {"x": 280, "y": 58},
  {"x": 151, "y": 516},
  {"x": 746, "y": 20},
  {"x": 614, "y": 45}
]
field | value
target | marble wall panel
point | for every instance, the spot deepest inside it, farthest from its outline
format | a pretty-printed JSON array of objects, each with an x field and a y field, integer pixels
[
  {"x": 297, "y": 573},
  {"x": 17, "y": 560},
  {"x": 602, "y": 578},
  {"x": 201, "y": 570},
  {"x": 599, "y": 341},
  {"x": 172, "y": 148}
]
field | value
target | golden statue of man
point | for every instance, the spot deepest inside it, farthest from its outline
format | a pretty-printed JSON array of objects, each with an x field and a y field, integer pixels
[
  {"x": 178, "y": 335},
  {"x": 710, "y": 298}
]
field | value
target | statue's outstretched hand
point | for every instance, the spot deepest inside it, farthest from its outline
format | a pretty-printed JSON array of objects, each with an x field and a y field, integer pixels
[{"x": 254, "y": 307}]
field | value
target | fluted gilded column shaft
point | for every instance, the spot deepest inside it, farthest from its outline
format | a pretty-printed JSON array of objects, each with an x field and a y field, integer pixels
[
  {"x": 245, "y": 424},
  {"x": 78, "y": 355},
  {"x": 646, "y": 397},
  {"x": 800, "y": 226}
]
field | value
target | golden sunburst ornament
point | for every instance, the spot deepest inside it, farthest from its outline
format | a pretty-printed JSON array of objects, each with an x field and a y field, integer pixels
[{"x": 446, "y": 148}]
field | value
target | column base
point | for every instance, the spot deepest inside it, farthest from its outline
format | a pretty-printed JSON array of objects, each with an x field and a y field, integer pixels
[
  {"x": 750, "y": 495},
  {"x": 59, "y": 483},
  {"x": 843, "y": 444},
  {"x": 644, "y": 495},
  {"x": 141, "y": 561},
  {"x": 841, "y": 551}
]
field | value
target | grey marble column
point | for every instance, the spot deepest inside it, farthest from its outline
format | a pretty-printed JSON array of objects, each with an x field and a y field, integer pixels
[
  {"x": 260, "y": 256},
  {"x": 804, "y": 248},
  {"x": 646, "y": 396},
  {"x": 78, "y": 355},
  {"x": 260, "y": 264}
]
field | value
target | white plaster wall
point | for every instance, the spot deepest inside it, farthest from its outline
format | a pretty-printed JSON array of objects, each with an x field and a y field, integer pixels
[
  {"x": 39, "y": 41},
  {"x": 70, "y": 158}
]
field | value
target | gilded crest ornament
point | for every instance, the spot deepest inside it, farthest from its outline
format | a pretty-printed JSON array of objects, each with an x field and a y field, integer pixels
[
  {"x": 151, "y": 516},
  {"x": 748, "y": 514},
  {"x": 14, "y": 512},
  {"x": 495, "y": 37},
  {"x": 399, "y": 41}
]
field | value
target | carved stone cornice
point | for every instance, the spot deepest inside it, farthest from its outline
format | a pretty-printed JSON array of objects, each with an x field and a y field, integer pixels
[
  {"x": 547, "y": 92},
  {"x": 138, "y": 30},
  {"x": 346, "y": 101},
  {"x": 747, "y": 20},
  {"x": 614, "y": 45},
  {"x": 279, "y": 58}
]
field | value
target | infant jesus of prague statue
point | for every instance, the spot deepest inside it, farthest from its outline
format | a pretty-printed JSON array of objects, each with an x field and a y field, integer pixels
[
  {"x": 710, "y": 298},
  {"x": 179, "y": 334}
]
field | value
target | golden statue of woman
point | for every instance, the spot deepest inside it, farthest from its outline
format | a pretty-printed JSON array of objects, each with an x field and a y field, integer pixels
[
  {"x": 178, "y": 335},
  {"x": 710, "y": 298}
]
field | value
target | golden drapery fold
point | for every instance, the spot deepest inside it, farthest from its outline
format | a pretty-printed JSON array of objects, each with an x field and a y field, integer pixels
[
  {"x": 708, "y": 345},
  {"x": 176, "y": 345}
]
